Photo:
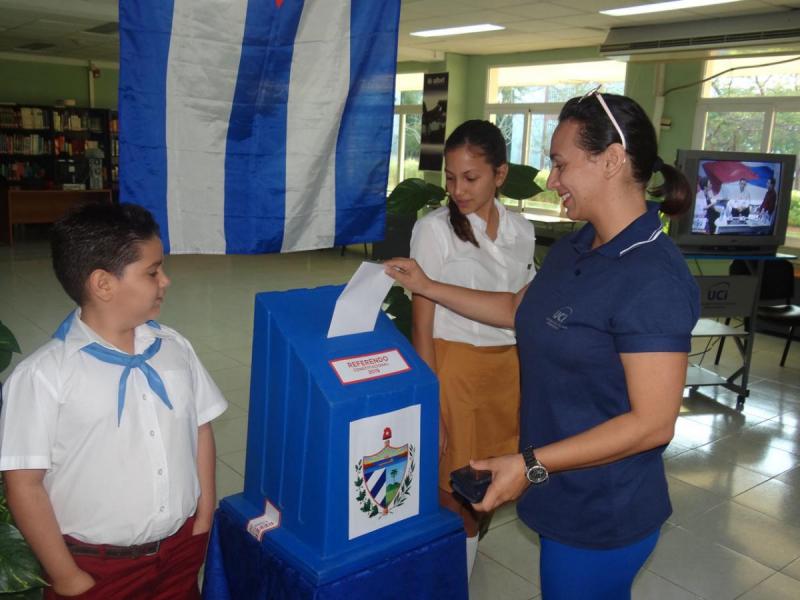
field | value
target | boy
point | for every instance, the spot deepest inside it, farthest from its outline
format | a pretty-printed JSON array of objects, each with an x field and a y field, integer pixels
[{"x": 105, "y": 435}]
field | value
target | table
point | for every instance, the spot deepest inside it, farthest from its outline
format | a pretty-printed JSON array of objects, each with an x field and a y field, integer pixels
[
  {"x": 549, "y": 228},
  {"x": 238, "y": 566},
  {"x": 21, "y": 207}
]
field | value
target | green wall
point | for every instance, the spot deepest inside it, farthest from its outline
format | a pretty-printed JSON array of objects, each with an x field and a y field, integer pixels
[
  {"x": 27, "y": 82},
  {"x": 680, "y": 106}
]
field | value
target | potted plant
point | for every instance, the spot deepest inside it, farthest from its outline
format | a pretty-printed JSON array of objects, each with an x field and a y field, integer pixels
[{"x": 20, "y": 573}]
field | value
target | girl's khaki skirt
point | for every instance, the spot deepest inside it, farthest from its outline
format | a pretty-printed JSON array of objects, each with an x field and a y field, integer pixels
[{"x": 479, "y": 403}]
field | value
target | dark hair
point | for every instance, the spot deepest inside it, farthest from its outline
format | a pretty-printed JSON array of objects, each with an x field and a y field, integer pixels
[
  {"x": 98, "y": 236},
  {"x": 597, "y": 133},
  {"x": 483, "y": 138}
]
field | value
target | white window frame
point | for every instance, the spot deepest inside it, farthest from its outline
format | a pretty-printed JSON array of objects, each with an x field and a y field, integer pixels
[
  {"x": 770, "y": 106},
  {"x": 528, "y": 110}
]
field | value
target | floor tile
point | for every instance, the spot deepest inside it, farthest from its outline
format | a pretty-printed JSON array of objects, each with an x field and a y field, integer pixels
[
  {"x": 693, "y": 434},
  {"x": 791, "y": 477},
  {"x": 240, "y": 397},
  {"x": 753, "y": 452},
  {"x": 233, "y": 378},
  {"x": 504, "y": 514},
  {"x": 232, "y": 412},
  {"x": 230, "y": 435},
  {"x": 235, "y": 460},
  {"x": 793, "y": 570},
  {"x": 780, "y": 433},
  {"x": 775, "y": 498},
  {"x": 777, "y": 587},
  {"x": 689, "y": 500},
  {"x": 704, "y": 568},
  {"x": 649, "y": 586},
  {"x": 229, "y": 482},
  {"x": 214, "y": 360},
  {"x": 516, "y": 547},
  {"x": 751, "y": 533},
  {"x": 242, "y": 354},
  {"x": 492, "y": 581},
  {"x": 712, "y": 473}
]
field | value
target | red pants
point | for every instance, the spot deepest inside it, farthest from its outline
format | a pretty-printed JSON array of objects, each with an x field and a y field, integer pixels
[{"x": 170, "y": 574}]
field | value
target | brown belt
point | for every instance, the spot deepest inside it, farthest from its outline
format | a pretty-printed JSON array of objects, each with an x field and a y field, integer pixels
[{"x": 106, "y": 551}]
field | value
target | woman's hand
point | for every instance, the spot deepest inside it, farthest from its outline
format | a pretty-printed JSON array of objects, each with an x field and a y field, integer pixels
[
  {"x": 408, "y": 273},
  {"x": 508, "y": 480}
]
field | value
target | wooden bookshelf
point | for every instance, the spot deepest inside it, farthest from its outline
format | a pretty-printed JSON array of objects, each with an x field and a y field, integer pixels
[
  {"x": 38, "y": 142},
  {"x": 22, "y": 207}
]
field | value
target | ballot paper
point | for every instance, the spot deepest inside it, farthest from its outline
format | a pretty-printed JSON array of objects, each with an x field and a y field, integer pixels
[{"x": 357, "y": 308}]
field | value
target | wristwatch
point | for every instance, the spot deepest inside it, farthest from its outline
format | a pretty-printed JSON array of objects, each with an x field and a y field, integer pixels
[{"x": 535, "y": 471}]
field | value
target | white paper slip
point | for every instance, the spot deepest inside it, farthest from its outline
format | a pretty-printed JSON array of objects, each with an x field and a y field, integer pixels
[{"x": 357, "y": 308}]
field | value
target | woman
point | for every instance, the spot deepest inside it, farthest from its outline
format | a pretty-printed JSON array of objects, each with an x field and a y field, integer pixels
[
  {"x": 472, "y": 242},
  {"x": 603, "y": 333},
  {"x": 707, "y": 201}
]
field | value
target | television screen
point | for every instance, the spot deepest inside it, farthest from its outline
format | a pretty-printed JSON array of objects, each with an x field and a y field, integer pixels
[
  {"x": 741, "y": 201},
  {"x": 736, "y": 197}
]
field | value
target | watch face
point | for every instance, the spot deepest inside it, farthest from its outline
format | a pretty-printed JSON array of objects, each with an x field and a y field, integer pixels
[{"x": 537, "y": 474}]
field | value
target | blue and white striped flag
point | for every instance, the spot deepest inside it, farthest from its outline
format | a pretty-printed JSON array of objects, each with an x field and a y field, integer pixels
[{"x": 258, "y": 126}]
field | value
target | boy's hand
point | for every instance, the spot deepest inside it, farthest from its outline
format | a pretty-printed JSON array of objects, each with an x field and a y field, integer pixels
[
  {"x": 77, "y": 584},
  {"x": 201, "y": 523}
]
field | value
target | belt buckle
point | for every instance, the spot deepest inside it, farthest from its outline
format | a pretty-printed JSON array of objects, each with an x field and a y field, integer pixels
[{"x": 154, "y": 551}]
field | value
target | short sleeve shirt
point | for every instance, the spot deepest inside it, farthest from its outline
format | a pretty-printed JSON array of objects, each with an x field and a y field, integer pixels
[
  {"x": 122, "y": 483},
  {"x": 585, "y": 308},
  {"x": 502, "y": 265}
]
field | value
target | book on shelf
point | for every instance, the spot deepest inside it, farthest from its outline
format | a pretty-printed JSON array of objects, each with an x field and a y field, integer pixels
[
  {"x": 9, "y": 117},
  {"x": 26, "y": 117}
]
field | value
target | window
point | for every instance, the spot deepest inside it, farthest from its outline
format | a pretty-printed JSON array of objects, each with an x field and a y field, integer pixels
[
  {"x": 524, "y": 103},
  {"x": 404, "y": 161},
  {"x": 755, "y": 108}
]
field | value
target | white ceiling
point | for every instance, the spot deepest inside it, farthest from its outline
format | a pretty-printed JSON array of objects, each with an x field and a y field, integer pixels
[{"x": 530, "y": 25}]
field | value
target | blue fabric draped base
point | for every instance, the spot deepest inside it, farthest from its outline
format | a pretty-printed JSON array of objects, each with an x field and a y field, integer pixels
[{"x": 238, "y": 566}]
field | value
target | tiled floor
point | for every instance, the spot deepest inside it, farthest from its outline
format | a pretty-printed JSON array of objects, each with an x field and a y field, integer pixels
[{"x": 734, "y": 476}]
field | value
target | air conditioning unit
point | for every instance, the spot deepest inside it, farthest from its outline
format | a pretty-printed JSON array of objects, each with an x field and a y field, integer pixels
[{"x": 763, "y": 30}]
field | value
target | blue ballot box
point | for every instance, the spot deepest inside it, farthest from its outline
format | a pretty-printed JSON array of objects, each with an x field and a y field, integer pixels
[{"x": 342, "y": 442}]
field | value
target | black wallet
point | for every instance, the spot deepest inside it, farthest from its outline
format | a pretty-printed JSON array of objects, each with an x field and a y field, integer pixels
[{"x": 470, "y": 483}]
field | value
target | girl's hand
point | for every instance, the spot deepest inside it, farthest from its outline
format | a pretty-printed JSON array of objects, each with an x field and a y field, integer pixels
[{"x": 409, "y": 274}]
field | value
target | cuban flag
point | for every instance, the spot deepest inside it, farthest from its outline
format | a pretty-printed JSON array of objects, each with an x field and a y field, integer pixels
[
  {"x": 724, "y": 172},
  {"x": 258, "y": 126}
]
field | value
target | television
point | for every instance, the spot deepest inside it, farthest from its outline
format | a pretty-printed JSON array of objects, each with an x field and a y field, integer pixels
[{"x": 740, "y": 204}]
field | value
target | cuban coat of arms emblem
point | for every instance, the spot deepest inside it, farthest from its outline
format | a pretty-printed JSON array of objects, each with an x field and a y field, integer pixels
[{"x": 383, "y": 479}]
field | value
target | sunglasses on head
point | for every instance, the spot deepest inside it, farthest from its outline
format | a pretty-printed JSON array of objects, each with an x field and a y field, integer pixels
[{"x": 596, "y": 93}]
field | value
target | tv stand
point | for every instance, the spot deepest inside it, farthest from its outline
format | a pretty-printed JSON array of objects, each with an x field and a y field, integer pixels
[{"x": 725, "y": 297}]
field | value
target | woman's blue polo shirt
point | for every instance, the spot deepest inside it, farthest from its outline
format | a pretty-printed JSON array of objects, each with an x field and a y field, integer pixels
[{"x": 585, "y": 307}]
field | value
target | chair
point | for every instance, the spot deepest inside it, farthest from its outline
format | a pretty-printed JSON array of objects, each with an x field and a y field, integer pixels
[
  {"x": 777, "y": 291},
  {"x": 775, "y": 297}
]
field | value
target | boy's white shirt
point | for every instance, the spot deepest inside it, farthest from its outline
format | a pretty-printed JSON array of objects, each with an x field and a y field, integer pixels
[{"x": 123, "y": 484}]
